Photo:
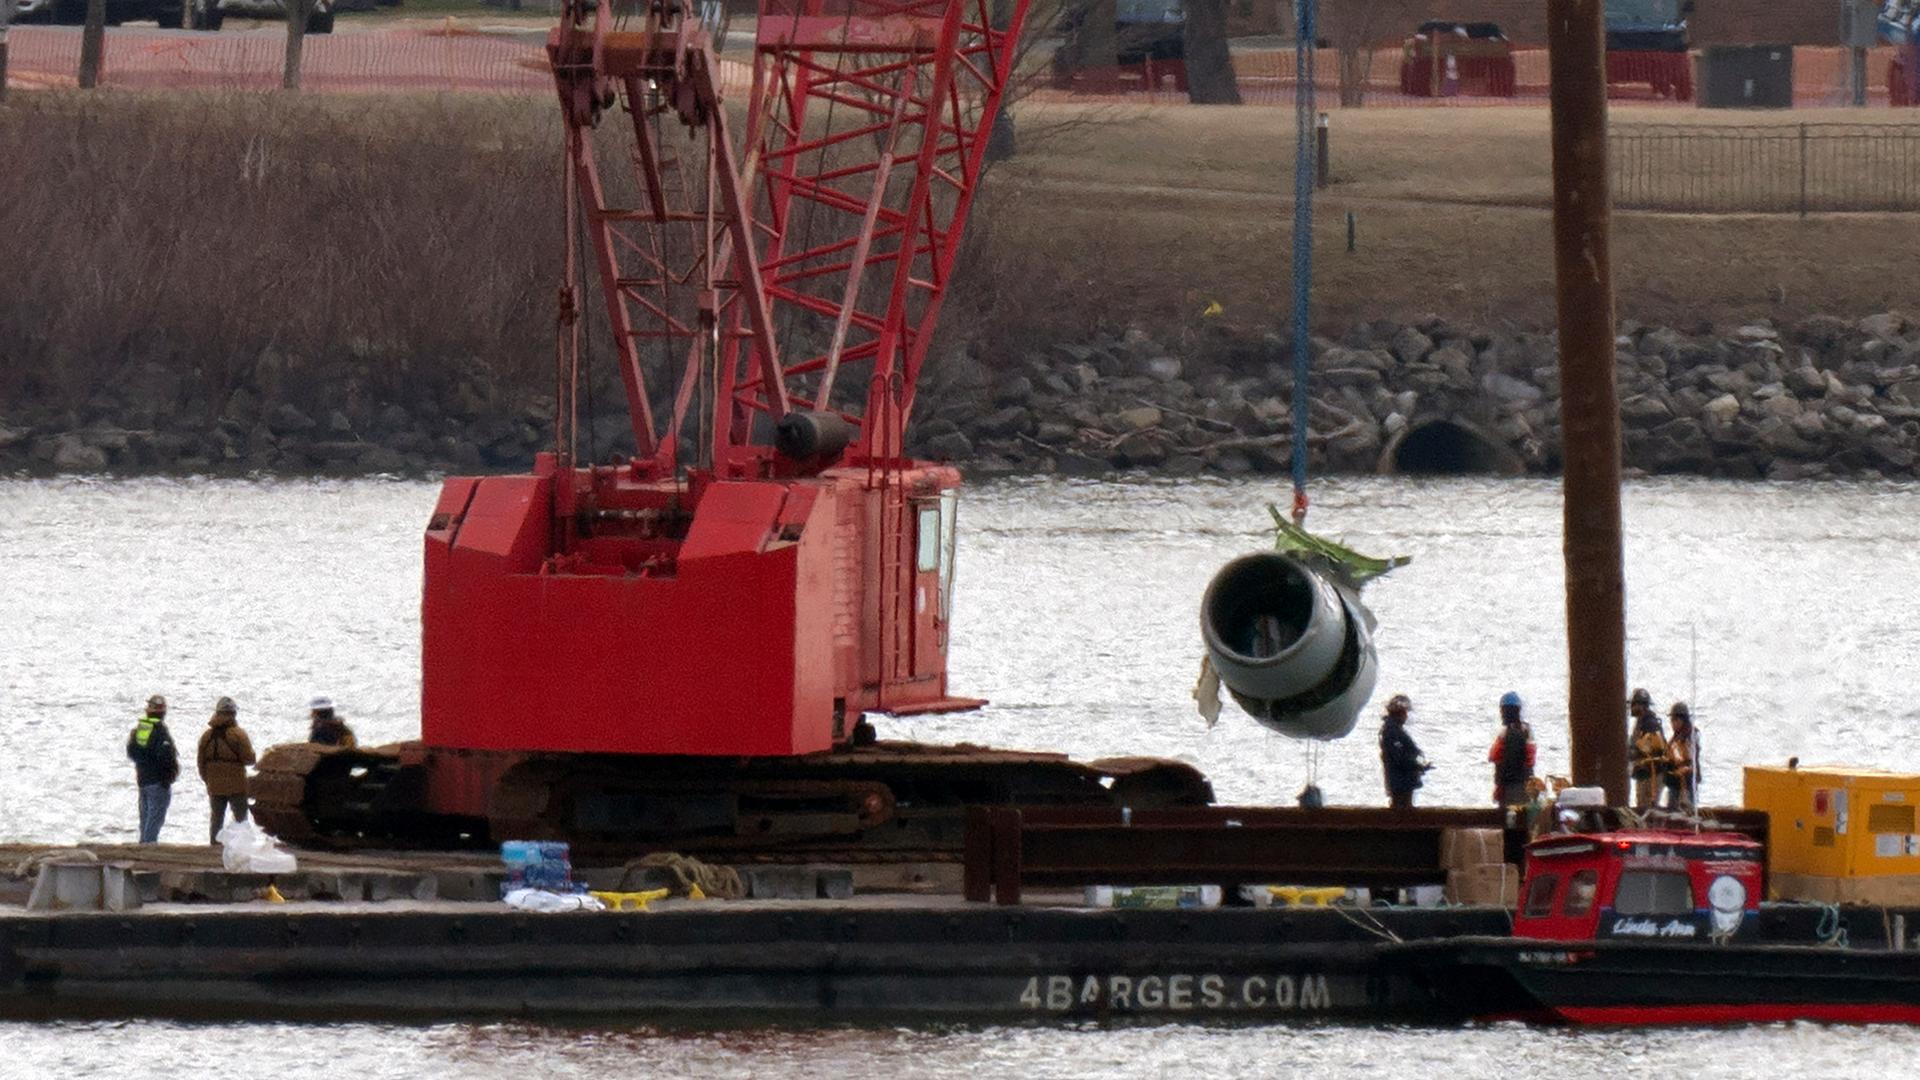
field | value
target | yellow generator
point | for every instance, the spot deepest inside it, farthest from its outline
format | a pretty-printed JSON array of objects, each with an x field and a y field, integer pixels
[{"x": 1839, "y": 835}]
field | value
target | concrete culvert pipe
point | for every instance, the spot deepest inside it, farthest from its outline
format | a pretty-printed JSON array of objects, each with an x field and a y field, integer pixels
[
  {"x": 1447, "y": 447},
  {"x": 1290, "y": 646}
]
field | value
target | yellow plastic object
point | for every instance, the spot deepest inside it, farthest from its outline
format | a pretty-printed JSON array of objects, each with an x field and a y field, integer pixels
[
  {"x": 1298, "y": 896},
  {"x": 1838, "y": 823},
  {"x": 694, "y": 893},
  {"x": 272, "y": 895},
  {"x": 630, "y": 901}
]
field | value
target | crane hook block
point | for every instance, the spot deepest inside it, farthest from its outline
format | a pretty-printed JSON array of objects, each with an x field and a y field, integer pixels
[
  {"x": 1293, "y": 645},
  {"x": 810, "y": 433}
]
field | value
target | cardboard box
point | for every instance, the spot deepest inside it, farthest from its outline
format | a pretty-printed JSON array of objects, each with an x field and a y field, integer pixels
[
  {"x": 1462, "y": 849},
  {"x": 1496, "y": 885}
]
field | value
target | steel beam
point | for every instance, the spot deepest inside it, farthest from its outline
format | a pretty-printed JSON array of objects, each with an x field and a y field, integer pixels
[{"x": 1011, "y": 847}]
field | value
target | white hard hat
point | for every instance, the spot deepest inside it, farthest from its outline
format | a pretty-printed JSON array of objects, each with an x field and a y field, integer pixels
[{"x": 321, "y": 701}]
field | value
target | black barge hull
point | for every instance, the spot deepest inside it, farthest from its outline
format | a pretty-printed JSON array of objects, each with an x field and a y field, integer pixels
[
  {"x": 846, "y": 962},
  {"x": 1650, "y": 983},
  {"x": 908, "y": 959}
]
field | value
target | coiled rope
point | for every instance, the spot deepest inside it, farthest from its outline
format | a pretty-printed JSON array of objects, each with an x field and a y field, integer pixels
[
  {"x": 719, "y": 882},
  {"x": 1830, "y": 930}
]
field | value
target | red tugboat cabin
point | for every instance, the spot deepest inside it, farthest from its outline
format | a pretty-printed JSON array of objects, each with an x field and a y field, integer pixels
[{"x": 1656, "y": 884}]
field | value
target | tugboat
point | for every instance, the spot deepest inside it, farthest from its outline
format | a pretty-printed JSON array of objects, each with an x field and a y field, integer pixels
[{"x": 1655, "y": 925}]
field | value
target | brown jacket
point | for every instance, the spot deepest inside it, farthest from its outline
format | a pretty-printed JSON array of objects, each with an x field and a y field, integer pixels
[{"x": 225, "y": 753}]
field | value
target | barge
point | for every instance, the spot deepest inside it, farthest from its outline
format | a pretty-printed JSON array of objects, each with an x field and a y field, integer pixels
[
  {"x": 440, "y": 945},
  {"x": 890, "y": 959}
]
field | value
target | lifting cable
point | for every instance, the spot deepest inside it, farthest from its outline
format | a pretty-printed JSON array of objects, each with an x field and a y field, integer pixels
[
  {"x": 1306, "y": 36},
  {"x": 1305, "y": 152}
]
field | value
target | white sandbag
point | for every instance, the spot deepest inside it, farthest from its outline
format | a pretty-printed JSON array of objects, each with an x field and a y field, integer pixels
[
  {"x": 544, "y": 901},
  {"x": 247, "y": 849}
]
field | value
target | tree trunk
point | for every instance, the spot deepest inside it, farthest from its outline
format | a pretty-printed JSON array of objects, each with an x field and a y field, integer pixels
[
  {"x": 1353, "y": 76},
  {"x": 93, "y": 42},
  {"x": 1096, "y": 45},
  {"x": 1000, "y": 141},
  {"x": 1210, "y": 79},
  {"x": 297, "y": 12},
  {"x": 6, "y": 16}
]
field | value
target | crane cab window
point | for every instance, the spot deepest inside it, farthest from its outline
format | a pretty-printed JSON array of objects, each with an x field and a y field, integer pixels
[
  {"x": 927, "y": 541},
  {"x": 933, "y": 543},
  {"x": 1540, "y": 895},
  {"x": 1653, "y": 892}
]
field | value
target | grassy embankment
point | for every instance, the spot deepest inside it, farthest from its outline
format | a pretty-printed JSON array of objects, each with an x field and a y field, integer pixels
[
  {"x": 1156, "y": 211},
  {"x": 204, "y": 228}
]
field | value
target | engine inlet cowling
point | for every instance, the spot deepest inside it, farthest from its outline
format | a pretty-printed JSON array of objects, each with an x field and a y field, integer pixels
[{"x": 1293, "y": 647}]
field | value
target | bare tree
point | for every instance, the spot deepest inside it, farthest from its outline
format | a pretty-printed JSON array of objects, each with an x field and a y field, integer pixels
[
  {"x": 1210, "y": 78},
  {"x": 298, "y": 12},
  {"x": 6, "y": 16},
  {"x": 1356, "y": 28},
  {"x": 93, "y": 42}
]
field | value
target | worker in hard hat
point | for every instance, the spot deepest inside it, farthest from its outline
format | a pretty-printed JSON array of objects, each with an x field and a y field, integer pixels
[
  {"x": 1512, "y": 755},
  {"x": 328, "y": 729},
  {"x": 1538, "y": 814},
  {"x": 1400, "y": 756},
  {"x": 156, "y": 765},
  {"x": 225, "y": 753},
  {"x": 1683, "y": 760},
  {"x": 1648, "y": 751}
]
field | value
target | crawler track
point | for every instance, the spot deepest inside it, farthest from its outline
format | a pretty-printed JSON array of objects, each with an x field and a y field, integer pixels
[{"x": 889, "y": 802}]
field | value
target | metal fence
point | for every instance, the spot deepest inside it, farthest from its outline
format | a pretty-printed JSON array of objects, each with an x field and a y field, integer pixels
[
  {"x": 1775, "y": 168},
  {"x": 1385, "y": 77},
  {"x": 458, "y": 57}
]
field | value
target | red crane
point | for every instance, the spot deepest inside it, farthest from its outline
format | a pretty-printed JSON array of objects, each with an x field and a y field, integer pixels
[
  {"x": 681, "y": 647},
  {"x": 768, "y": 565}
]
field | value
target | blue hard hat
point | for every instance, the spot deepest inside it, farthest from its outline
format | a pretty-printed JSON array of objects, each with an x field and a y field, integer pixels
[{"x": 1510, "y": 698}]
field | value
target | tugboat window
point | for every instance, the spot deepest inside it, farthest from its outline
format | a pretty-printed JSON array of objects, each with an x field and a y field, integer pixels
[
  {"x": 1580, "y": 890},
  {"x": 1653, "y": 892},
  {"x": 1540, "y": 895}
]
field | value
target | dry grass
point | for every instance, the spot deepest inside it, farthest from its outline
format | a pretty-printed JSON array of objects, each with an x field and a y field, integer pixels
[
  {"x": 198, "y": 230},
  {"x": 1158, "y": 211},
  {"x": 420, "y": 231}
]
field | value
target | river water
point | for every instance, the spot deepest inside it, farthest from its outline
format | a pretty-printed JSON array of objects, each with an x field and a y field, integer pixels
[{"x": 1784, "y": 613}]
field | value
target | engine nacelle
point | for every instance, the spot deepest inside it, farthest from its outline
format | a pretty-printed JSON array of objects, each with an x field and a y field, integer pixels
[{"x": 1294, "y": 648}]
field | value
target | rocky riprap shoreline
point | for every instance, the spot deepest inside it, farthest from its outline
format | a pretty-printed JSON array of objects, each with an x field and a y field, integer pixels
[{"x": 1822, "y": 397}]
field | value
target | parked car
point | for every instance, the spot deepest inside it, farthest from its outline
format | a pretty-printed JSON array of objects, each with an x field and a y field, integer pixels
[
  {"x": 1150, "y": 40},
  {"x": 207, "y": 14},
  {"x": 1648, "y": 42},
  {"x": 319, "y": 22},
  {"x": 1442, "y": 59},
  {"x": 74, "y": 12}
]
